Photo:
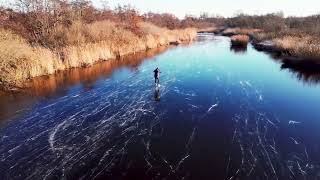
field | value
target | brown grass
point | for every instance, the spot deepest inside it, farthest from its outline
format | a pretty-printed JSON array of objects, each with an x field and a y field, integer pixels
[
  {"x": 20, "y": 61},
  {"x": 240, "y": 40},
  {"x": 306, "y": 47},
  {"x": 295, "y": 43},
  {"x": 208, "y": 29},
  {"x": 236, "y": 31}
]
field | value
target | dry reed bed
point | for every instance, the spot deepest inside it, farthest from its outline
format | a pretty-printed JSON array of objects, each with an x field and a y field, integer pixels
[
  {"x": 85, "y": 44},
  {"x": 239, "y": 31},
  {"x": 296, "y": 44},
  {"x": 240, "y": 40},
  {"x": 305, "y": 47}
]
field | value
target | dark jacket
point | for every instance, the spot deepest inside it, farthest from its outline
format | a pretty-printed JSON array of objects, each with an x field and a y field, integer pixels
[{"x": 156, "y": 73}]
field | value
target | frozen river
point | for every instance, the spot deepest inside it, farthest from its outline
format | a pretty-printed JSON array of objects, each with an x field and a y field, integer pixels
[{"x": 220, "y": 113}]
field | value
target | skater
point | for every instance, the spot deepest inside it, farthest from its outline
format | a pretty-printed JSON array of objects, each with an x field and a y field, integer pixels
[{"x": 156, "y": 76}]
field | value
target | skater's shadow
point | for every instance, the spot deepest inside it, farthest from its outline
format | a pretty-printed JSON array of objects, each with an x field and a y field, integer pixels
[{"x": 157, "y": 94}]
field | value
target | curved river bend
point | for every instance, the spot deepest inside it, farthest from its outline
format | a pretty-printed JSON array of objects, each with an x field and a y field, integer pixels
[{"x": 220, "y": 113}]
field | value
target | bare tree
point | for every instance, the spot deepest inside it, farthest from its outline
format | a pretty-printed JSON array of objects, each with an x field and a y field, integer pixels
[{"x": 42, "y": 17}]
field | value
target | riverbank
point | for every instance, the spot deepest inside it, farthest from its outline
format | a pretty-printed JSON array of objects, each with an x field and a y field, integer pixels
[
  {"x": 285, "y": 45},
  {"x": 88, "y": 44},
  {"x": 289, "y": 46}
]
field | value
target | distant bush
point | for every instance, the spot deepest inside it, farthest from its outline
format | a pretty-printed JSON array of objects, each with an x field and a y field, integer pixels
[
  {"x": 239, "y": 40},
  {"x": 275, "y": 25},
  {"x": 269, "y": 22},
  {"x": 170, "y": 21},
  {"x": 167, "y": 20},
  {"x": 244, "y": 31}
]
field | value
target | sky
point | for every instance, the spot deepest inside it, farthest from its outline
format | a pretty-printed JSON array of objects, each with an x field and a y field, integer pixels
[{"x": 225, "y": 8}]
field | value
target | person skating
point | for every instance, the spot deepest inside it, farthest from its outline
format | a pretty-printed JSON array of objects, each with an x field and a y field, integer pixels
[{"x": 157, "y": 76}]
